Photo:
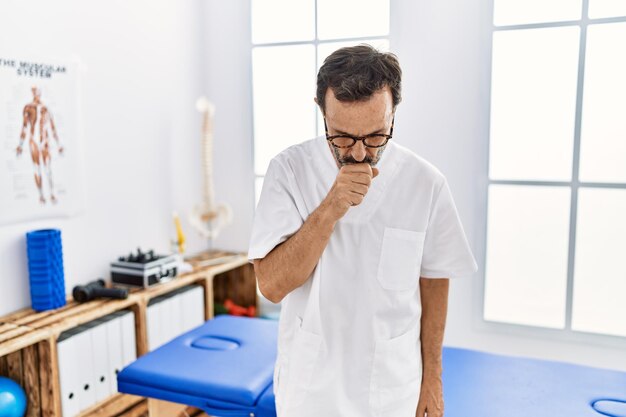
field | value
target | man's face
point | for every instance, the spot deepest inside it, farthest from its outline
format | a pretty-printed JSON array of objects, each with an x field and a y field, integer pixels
[{"x": 359, "y": 118}]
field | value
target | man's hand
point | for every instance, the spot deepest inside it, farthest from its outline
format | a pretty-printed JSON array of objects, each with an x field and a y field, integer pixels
[
  {"x": 350, "y": 187},
  {"x": 431, "y": 397},
  {"x": 18, "y": 150}
]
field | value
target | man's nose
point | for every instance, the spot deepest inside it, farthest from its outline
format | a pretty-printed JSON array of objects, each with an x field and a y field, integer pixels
[{"x": 359, "y": 151}]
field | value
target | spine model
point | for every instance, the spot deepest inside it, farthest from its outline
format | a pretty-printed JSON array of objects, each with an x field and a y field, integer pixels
[{"x": 208, "y": 218}]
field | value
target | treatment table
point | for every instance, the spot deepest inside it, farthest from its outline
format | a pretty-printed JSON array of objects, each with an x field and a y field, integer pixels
[{"x": 225, "y": 367}]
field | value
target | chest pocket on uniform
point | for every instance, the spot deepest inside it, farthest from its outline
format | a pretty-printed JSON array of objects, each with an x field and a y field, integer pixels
[{"x": 400, "y": 259}]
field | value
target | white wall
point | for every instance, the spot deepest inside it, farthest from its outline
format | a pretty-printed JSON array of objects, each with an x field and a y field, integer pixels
[
  {"x": 228, "y": 81},
  {"x": 140, "y": 127},
  {"x": 172, "y": 50}
]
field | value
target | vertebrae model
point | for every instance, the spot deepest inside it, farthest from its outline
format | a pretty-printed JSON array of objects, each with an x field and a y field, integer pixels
[{"x": 207, "y": 217}]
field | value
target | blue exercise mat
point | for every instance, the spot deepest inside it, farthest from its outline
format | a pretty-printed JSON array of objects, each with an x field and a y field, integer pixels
[{"x": 224, "y": 367}]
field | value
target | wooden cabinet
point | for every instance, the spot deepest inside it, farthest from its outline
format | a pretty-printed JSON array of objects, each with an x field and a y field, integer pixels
[{"x": 28, "y": 340}]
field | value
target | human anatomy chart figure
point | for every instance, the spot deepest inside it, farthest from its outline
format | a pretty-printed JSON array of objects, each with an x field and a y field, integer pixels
[{"x": 38, "y": 126}]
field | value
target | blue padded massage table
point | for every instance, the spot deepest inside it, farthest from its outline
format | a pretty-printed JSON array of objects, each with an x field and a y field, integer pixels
[
  {"x": 479, "y": 384},
  {"x": 225, "y": 368}
]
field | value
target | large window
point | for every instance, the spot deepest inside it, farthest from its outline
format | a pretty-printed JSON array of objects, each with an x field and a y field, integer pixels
[
  {"x": 290, "y": 40},
  {"x": 556, "y": 223}
]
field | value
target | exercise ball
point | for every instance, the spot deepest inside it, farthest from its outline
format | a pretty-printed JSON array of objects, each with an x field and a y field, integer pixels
[{"x": 12, "y": 398}]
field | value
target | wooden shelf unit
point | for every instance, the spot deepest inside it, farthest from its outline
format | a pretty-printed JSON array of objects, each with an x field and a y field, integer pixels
[{"x": 28, "y": 350}]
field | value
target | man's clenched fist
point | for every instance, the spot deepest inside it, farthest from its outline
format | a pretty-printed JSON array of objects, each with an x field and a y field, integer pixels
[{"x": 351, "y": 185}]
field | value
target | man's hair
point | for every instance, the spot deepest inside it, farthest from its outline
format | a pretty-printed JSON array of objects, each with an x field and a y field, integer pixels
[{"x": 354, "y": 73}]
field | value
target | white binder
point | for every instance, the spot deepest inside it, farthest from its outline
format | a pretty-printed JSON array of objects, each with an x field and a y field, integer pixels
[
  {"x": 194, "y": 308},
  {"x": 116, "y": 355},
  {"x": 100, "y": 360},
  {"x": 179, "y": 316},
  {"x": 153, "y": 317},
  {"x": 167, "y": 321},
  {"x": 186, "y": 309},
  {"x": 84, "y": 348},
  {"x": 68, "y": 374},
  {"x": 129, "y": 350},
  {"x": 175, "y": 305}
]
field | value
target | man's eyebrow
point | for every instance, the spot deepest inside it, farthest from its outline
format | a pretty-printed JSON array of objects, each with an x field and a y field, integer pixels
[{"x": 341, "y": 132}]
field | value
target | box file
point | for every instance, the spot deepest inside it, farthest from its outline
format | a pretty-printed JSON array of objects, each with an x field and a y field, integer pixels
[
  {"x": 116, "y": 354},
  {"x": 194, "y": 308},
  {"x": 100, "y": 360},
  {"x": 129, "y": 346},
  {"x": 170, "y": 315},
  {"x": 68, "y": 373},
  {"x": 86, "y": 383}
]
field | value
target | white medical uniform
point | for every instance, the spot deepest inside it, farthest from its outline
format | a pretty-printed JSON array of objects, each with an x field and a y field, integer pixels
[{"x": 349, "y": 337}]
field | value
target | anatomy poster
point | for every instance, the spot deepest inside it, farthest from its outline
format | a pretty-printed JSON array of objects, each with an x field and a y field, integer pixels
[{"x": 39, "y": 139}]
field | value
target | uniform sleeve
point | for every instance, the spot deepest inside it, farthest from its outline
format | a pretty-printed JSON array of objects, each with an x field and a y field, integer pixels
[
  {"x": 447, "y": 253},
  {"x": 276, "y": 217}
]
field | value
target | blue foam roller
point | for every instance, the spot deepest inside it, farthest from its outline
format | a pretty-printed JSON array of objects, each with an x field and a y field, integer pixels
[{"x": 45, "y": 267}]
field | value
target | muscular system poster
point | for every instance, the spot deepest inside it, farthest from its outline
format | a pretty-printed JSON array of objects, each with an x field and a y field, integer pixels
[{"x": 39, "y": 148}]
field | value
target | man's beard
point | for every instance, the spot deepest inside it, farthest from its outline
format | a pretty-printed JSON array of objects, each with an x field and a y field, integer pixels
[{"x": 348, "y": 159}]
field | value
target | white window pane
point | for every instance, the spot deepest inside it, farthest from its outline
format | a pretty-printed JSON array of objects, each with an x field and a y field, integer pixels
[
  {"x": 283, "y": 20},
  {"x": 600, "y": 272},
  {"x": 606, "y": 8},
  {"x": 337, "y": 19},
  {"x": 519, "y": 12},
  {"x": 283, "y": 90},
  {"x": 603, "y": 134},
  {"x": 325, "y": 49},
  {"x": 527, "y": 248},
  {"x": 533, "y": 103}
]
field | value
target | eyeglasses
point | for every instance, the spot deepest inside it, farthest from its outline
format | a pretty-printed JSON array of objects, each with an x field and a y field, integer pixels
[{"x": 374, "y": 140}]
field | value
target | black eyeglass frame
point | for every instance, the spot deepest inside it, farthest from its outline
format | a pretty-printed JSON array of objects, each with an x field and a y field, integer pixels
[{"x": 362, "y": 138}]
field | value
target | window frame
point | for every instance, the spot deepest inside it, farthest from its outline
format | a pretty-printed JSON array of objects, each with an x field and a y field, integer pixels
[
  {"x": 567, "y": 334},
  {"x": 316, "y": 42}
]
